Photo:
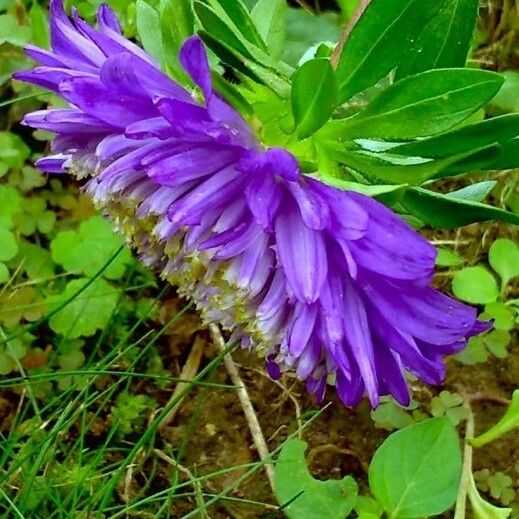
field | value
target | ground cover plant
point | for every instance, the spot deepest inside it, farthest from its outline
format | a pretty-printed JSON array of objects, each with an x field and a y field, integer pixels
[{"x": 259, "y": 259}]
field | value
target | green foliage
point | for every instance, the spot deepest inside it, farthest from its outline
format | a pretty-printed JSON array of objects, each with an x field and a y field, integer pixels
[
  {"x": 304, "y": 496},
  {"x": 415, "y": 453},
  {"x": 85, "y": 251},
  {"x": 131, "y": 411},
  {"x": 425, "y": 104},
  {"x": 314, "y": 96},
  {"x": 88, "y": 312},
  {"x": 475, "y": 285},
  {"x": 450, "y": 405},
  {"x": 504, "y": 258},
  {"x": 508, "y": 422}
]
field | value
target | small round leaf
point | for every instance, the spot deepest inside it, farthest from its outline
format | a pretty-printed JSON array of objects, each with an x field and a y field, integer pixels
[{"x": 475, "y": 285}]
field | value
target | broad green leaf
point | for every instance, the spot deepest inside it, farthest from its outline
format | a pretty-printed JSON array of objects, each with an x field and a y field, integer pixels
[
  {"x": 149, "y": 31},
  {"x": 305, "y": 30},
  {"x": 508, "y": 422},
  {"x": 507, "y": 100},
  {"x": 388, "y": 415},
  {"x": 416, "y": 471},
  {"x": 447, "y": 258},
  {"x": 13, "y": 150},
  {"x": 309, "y": 497},
  {"x": 36, "y": 261},
  {"x": 447, "y": 211},
  {"x": 39, "y": 25},
  {"x": 368, "y": 508},
  {"x": 467, "y": 138},
  {"x": 504, "y": 258},
  {"x": 4, "y": 274},
  {"x": 379, "y": 41},
  {"x": 483, "y": 509},
  {"x": 509, "y": 158},
  {"x": 366, "y": 189},
  {"x": 475, "y": 285},
  {"x": 270, "y": 18},
  {"x": 314, "y": 96},
  {"x": 423, "y": 105},
  {"x": 88, "y": 312},
  {"x": 445, "y": 40}
]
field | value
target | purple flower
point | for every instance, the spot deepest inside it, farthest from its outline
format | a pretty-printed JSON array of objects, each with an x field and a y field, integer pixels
[{"x": 328, "y": 283}]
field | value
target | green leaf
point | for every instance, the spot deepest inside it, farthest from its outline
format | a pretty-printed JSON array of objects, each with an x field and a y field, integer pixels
[
  {"x": 388, "y": 168},
  {"x": 13, "y": 150},
  {"x": 149, "y": 30},
  {"x": 389, "y": 415},
  {"x": 8, "y": 245},
  {"x": 448, "y": 211},
  {"x": 305, "y": 30},
  {"x": 368, "y": 508},
  {"x": 88, "y": 312},
  {"x": 241, "y": 19},
  {"x": 379, "y": 41},
  {"x": 4, "y": 274},
  {"x": 504, "y": 258},
  {"x": 474, "y": 136},
  {"x": 314, "y": 96},
  {"x": 447, "y": 258},
  {"x": 483, "y": 509},
  {"x": 416, "y": 471},
  {"x": 503, "y": 315},
  {"x": 423, "y": 105},
  {"x": 309, "y": 497},
  {"x": 475, "y": 285},
  {"x": 39, "y": 25},
  {"x": 12, "y": 32},
  {"x": 508, "y": 422},
  {"x": 506, "y": 99},
  {"x": 36, "y": 261},
  {"x": 177, "y": 23},
  {"x": 445, "y": 40},
  {"x": 509, "y": 158},
  {"x": 86, "y": 251},
  {"x": 270, "y": 18}
]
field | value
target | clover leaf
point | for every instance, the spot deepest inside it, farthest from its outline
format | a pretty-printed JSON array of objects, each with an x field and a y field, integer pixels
[
  {"x": 86, "y": 251},
  {"x": 88, "y": 312}
]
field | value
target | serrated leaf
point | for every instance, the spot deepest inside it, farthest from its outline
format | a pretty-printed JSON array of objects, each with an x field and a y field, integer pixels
[
  {"x": 475, "y": 285},
  {"x": 414, "y": 454},
  {"x": 149, "y": 30},
  {"x": 445, "y": 40},
  {"x": 444, "y": 212},
  {"x": 423, "y": 105},
  {"x": 379, "y": 41},
  {"x": 90, "y": 311},
  {"x": 309, "y": 497},
  {"x": 270, "y": 19},
  {"x": 314, "y": 96},
  {"x": 504, "y": 258}
]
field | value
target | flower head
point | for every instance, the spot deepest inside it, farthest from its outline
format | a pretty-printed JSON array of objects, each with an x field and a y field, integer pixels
[{"x": 329, "y": 283}]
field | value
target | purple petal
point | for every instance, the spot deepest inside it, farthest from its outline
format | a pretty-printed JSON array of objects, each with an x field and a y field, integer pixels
[
  {"x": 194, "y": 61},
  {"x": 356, "y": 327},
  {"x": 302, "y": 254},
  {"x": 300, "y": 328},
  {"x": 263, "y": 196},
  {"x": 107, "y": 19},
  {"x": 390, "y": 247}
]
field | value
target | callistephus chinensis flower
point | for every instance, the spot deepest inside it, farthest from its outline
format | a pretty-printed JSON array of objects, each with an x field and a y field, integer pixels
[{"x": 328, "y": 283}]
